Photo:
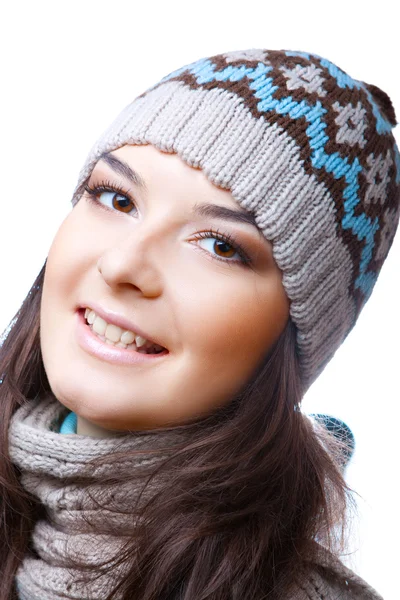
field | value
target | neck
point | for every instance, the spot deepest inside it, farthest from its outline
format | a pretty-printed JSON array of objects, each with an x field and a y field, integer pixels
[{"x": 85, "y": 427}]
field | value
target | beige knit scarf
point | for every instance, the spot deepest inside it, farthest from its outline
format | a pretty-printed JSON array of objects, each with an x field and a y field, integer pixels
[{"x": 47, "y": 459}]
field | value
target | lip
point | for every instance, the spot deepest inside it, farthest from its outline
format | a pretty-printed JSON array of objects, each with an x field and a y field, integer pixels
[
  {"x": 92, "y": 344},
  {"x": 115, "y": 319}
]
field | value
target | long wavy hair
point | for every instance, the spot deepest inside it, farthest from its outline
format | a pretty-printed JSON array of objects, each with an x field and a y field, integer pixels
[{"x": 246, "y": 503}]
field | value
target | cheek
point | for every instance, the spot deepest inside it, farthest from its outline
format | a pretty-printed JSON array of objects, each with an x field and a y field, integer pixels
[
  {"x": 68, "y": 260},
  {"x": 72, "y": 253},
  {"x": 73, "y": 247},
  {"x": 230, "y": 324}
]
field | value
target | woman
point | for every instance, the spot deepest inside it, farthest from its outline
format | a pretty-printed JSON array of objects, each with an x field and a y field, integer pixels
[{"x": 226, "y": 231}]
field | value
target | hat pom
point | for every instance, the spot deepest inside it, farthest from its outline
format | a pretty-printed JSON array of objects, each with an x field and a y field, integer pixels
[{"x": 384, "y": 103}]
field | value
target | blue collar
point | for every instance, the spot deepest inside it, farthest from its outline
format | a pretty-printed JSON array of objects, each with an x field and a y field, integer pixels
[{"x": 69, "y": 424}]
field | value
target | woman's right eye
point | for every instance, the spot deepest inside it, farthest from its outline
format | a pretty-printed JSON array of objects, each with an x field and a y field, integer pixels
[{"x": 110, "y": 198}]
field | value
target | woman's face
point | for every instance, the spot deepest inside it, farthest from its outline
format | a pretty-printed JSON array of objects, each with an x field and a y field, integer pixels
[{"x": 147, "y": 256}]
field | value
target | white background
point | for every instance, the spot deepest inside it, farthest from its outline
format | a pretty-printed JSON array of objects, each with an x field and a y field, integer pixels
[{"x": 68, "y": 69}]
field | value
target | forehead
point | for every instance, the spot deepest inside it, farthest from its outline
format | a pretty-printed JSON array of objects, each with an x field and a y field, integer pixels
[
  {"x": 146, "y": 165},
  {"x": 149, "y": 169}
]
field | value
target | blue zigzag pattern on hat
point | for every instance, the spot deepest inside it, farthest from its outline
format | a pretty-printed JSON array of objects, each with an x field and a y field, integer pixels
[{"x": 362, "y": 226}]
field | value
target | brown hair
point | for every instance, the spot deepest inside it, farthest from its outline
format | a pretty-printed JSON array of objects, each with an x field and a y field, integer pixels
[{"x": 245, "y": 503}]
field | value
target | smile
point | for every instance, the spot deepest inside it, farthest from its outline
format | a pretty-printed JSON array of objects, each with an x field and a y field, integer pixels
[
  {"x": 114, "y": 335},
  {"x": 108, "y": 350}
]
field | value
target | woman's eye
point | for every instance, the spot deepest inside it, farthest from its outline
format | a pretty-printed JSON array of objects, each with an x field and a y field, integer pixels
[
  {"x": 116, "y": 201},
  {"x": 108, "y": 196},
  {"x": 221, "y": 248}
]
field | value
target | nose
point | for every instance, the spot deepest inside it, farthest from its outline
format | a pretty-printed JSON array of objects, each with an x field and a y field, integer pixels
[{"x": 134, "y": 261}]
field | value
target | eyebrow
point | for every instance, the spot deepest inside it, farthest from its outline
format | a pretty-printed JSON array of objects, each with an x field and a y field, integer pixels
[
  {"x": 215, "y": 211},
  {"x": 121, "y": 167}
]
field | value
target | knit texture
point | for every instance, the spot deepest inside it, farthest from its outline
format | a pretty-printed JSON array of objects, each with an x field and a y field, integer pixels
[
  {"x": 48, "y": 459},
  {"x": 305, "y": 148}
]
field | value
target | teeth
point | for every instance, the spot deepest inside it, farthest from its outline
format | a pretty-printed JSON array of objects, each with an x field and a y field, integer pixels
[
  {"x": 140, "y": 341},
  {"x": 99, "y": 326},
  {"x": 114, "y": 335},
  {"x": 119, "y": 345},
  {"x": 127, "y": 337}
]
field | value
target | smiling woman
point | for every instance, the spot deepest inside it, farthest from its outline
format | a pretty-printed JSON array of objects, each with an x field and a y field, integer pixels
[
  {"x": 165, "y": 272},
  {"x": 226, "y": 231}
]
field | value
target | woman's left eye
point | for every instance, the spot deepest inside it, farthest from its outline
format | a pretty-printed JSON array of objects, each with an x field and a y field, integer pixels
[
  {"x": 110, "y": 198},
  {"x": 222, "y": 247}
]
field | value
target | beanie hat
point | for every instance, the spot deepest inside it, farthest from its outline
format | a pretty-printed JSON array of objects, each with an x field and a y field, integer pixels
[{"x": 307, "y": 150}]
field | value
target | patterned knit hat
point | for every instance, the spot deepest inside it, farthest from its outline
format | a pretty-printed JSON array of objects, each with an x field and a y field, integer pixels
[{"x": 307, "y": 150}]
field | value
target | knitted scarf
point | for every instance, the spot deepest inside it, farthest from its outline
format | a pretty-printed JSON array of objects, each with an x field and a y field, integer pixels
[{"x": 48, "y": 460}]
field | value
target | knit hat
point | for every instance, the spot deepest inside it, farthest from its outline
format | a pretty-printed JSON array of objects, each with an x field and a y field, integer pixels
[{"x": 307, "y": 150}]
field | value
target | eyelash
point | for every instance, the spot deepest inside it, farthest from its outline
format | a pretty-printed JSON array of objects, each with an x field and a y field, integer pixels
[
  {"x": 105, "y": 186},
  {"x": 228, "y": 238}
]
